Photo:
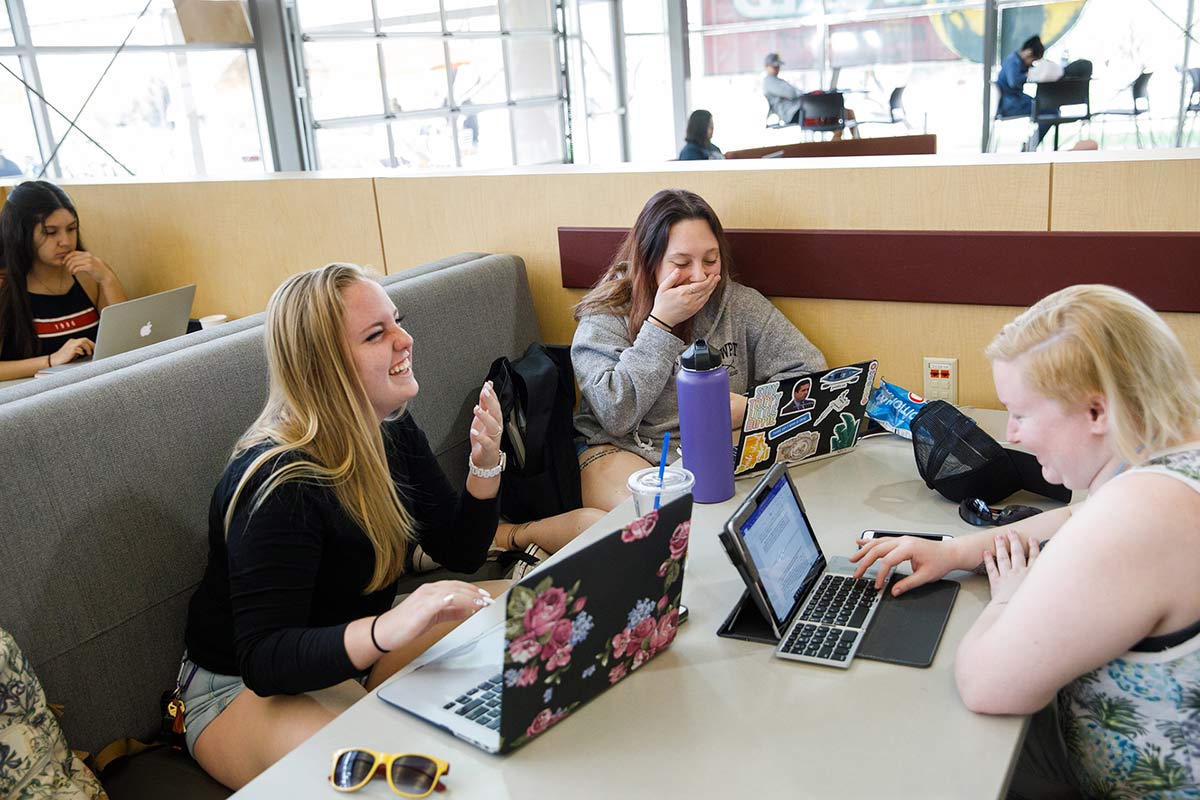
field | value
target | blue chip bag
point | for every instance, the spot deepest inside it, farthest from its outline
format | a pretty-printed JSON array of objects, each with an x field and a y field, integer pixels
[{"x": 893, "y": 407}]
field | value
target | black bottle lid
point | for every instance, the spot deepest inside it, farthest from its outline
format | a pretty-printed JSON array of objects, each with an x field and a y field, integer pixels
[{"x": 699, "y": 358}]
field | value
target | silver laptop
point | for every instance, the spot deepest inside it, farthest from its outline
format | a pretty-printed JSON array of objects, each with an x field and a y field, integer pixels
[
  {"x": 137, "y": 323},
  {"x": 572, "y": 629}
]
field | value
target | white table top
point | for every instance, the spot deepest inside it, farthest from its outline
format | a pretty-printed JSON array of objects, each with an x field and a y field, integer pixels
[{"x": 715, "y": 717}]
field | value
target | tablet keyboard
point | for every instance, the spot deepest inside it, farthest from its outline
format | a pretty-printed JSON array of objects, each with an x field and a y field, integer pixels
[
  {"x": 828, "y": 629},
  {"x": 480, "y": 704}
]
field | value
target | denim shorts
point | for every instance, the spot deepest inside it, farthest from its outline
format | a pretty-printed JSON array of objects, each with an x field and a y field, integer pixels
[{"x": 205, "y": 695}]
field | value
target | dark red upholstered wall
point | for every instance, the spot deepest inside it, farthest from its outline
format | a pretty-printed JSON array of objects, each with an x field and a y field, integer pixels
[{"x": 986, "y": 268}]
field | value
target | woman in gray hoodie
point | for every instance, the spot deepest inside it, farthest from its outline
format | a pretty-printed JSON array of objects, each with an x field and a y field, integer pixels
[{"x": 669, "y": 285}]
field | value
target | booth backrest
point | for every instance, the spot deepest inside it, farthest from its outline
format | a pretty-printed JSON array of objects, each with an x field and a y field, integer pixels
[
  {"x": 107, "y": 483},
  {"x": 16, "y": 391}
]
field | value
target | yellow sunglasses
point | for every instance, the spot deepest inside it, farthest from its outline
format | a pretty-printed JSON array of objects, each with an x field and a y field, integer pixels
[{"x": 409, "y": 774}]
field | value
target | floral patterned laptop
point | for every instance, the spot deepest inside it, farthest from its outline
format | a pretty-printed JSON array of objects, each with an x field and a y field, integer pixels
[{"x": 580, "y": 625}]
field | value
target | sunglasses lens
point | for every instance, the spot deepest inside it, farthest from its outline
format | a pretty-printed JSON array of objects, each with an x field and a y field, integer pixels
[
  {"x": 414, "y": 774},
  {"x": 353, "y": 768}
]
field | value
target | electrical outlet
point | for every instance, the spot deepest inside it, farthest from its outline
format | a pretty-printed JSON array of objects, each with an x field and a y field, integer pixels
[{"x": 941, "y": 379}]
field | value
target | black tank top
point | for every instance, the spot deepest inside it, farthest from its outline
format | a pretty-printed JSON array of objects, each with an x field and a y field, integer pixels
[{"x": 59, "y": 317}]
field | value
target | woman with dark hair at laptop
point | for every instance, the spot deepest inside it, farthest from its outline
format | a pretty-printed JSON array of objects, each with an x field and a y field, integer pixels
[
  {"x": 48, "y": 316},
  {"x": 669, "y": 285},
  {"x": 698, "y": 144},
  {"x": 1100, "y": 633},
  {"x": 313, "y": 523}
]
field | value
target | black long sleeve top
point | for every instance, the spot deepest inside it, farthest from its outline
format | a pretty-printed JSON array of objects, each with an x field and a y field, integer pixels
[{"x": 278, "y": 593}]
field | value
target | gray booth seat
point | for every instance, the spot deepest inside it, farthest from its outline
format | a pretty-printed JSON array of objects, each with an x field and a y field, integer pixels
[
  {"x": 107, "y": 483},
  {"x": 16, "y": 390}
]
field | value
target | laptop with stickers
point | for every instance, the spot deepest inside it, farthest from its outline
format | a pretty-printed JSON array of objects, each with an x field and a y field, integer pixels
[
  {"x": 804, "y": 417},
  {"x": 572, "y": 629}
]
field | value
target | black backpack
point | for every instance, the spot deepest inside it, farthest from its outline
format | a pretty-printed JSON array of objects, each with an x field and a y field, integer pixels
[{"x": 537, "y": 398}]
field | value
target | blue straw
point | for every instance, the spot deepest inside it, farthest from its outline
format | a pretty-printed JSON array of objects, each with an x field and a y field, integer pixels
[{"x": 662, "y": 465}]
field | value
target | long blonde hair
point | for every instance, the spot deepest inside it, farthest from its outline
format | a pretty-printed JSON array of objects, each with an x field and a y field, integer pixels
[
  {"x": 629, "y": 285},
  {"x": 1094, "y": 339},
  {"x": 317, "y": 410}
]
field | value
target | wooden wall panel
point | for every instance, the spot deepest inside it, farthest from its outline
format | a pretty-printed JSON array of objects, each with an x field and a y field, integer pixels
[
  {"x": 1140, "y": 194},
  {"x": 1135, "y": 195},
  {"x": 426, "y": 218},
  {"x": 236, "y": 240}
]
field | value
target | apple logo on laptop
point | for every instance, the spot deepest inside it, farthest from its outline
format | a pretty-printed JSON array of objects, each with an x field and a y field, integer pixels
[{"x": 145, "y": 330}]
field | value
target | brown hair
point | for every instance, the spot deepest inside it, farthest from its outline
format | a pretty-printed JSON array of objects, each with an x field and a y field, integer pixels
[{"x": 628, "y": 286}]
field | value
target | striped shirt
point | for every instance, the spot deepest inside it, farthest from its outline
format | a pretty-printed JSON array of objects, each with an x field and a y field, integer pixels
[{"x": 59, "y": 317}]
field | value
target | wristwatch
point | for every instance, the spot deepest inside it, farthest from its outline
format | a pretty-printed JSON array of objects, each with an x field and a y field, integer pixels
[{"x": 487, "y": 473}]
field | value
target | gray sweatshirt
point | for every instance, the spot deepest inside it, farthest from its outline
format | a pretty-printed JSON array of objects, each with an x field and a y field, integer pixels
[{"x": 628, "y": 387}]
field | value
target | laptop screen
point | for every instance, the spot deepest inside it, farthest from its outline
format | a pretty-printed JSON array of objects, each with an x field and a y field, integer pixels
[{"x": 783, "y": 547}]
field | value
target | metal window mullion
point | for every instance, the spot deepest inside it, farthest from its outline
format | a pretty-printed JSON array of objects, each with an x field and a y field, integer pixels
[
  {"x": 562, "y": 70},
  {"x": 27, "y": 59},
  {"x": 678, "y": 57},
  {"x": 505, "y": 58},
  {"x": 294, "y": 38},
  {"x": 100, "y": 49},
  {"x": 587, "y": 112},
  {"x": 453, "y": 111},
  {"x": 261, "y": 123},
  {"x": 381, "y": 60},
  {"x": 991, "y": 35},
  {"x": 1184, "y": 95},
  {"x": 350, "y": 36},
  {"x": 620, "y": 74}
]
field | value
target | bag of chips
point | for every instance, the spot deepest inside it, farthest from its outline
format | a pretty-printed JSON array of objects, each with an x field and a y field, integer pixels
[{"x": 893, "y": 407}]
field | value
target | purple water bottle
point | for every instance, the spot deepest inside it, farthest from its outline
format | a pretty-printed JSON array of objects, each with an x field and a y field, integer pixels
[{"x": 705, "y": 426}]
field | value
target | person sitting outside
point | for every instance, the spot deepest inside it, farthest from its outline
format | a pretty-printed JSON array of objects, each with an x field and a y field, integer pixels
[
  {"x": 1099, "y": 633},
  {"x": 1014, "y": 71},
  {"x": 698, "y": 139},
  {"x": 787, "y": 102},
  {"x": 51, "y": 289}
]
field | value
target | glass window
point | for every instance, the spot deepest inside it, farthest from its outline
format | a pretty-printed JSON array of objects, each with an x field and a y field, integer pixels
[
  {"x": 485, "y": 139},
  {"x": 108, "y": 23},
  {"x": 19, "y": 153},
  {"x": 538, "y": 131},
  {"x": 416, "y": 74},
  {"x": 6, "y": 34},
  {"x": 408, "y": 16},
  {"x": 524, "y": 15},
  {"x": 158, "y": 113},
  {"x": 464, "y": 16},
  {"x": 941, "y": 84},
  {"x": 643, "y": 16},
  {"x": 424, "y": 143},
  {"x": 533, "y": 68},
  {"x": 345, "y": 16},
  {"x": 1123, "y": 39},
  {"x": 343, "y": 79},
  {"x": 357, "y": 147},
  {"x": 478, "y": 72},
  {"x": 650, "y": 105},
  {"x": 598, "y": 116}
]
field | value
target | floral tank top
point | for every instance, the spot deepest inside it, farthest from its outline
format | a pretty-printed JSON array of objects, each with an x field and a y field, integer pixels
[{"x": 1132, "y": 726}]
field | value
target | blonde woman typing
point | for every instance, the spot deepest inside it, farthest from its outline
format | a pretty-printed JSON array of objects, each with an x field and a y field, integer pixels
[
  {"x": 310, "y": 524},
  {"x": 1101, "y": 631}
]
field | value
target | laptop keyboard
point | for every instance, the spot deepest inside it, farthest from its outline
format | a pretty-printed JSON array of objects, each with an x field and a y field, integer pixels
[
  {"x": 829, "y": 627},
  {"x": 480, "y": 704}
]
